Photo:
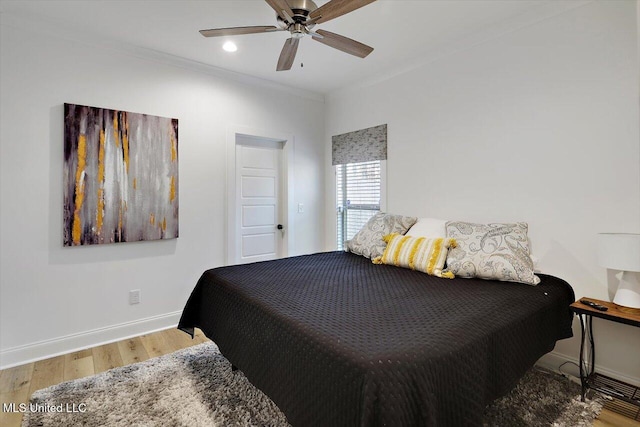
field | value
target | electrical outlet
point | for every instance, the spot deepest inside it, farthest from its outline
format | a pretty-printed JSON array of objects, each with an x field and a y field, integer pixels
[
  {"x": 300, "y": 207},
  {"x": 134, "y": 296}
]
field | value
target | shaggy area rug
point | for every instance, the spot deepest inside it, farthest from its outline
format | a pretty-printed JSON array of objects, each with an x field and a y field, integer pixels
[{"x": 196, "y": 387}]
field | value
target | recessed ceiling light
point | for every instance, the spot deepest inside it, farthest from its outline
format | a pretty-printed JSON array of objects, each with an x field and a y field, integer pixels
[{"x": 230, "y": 46}]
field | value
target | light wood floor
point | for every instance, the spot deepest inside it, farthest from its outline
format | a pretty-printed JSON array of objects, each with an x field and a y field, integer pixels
[{"x": 17, "y": 384}]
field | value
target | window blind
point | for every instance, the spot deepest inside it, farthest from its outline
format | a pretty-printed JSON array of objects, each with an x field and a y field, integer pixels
[{"x": 358, "y": 197}]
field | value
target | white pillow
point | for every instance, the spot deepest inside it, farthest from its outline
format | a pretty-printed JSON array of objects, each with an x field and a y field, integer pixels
[{"x": 428, "y": 227}]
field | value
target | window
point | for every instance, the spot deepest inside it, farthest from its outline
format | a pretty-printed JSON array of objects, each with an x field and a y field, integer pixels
[
  {"x": 358, "y": 194},
  {"x": 359, "y": 158}
]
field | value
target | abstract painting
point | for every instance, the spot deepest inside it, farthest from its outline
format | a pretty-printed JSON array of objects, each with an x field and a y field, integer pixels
[{"x": 120, "y": 176}]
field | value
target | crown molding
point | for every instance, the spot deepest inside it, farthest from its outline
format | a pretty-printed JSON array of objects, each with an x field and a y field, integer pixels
[
  {"x": 34, "y": 24},
  {"x": 502, "y": 29}
]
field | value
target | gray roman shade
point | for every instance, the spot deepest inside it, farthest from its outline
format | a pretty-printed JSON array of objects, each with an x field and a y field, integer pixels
[{"x": 363, "y": 145}]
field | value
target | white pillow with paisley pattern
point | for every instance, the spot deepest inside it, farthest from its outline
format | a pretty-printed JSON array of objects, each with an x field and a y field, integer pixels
[
  {"x": 491, "y": 251},
  {"x": 369, "y": 242}
]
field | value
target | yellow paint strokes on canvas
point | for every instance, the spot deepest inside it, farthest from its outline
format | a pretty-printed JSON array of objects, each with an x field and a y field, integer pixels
[
  {"x": 172, "y": 189},
  {"x": 101, "y": 157},
  {"x": 125, "y": 143},
  {"x": 164, "y": 224},
  {"x": 116, "y": 134},
  {"x": 100, "y": 207},
  {"x": 76, "y": 232},
  {"x": 120, "y": 215},
  {"x": 174, "y": 148},
  {"x": 135, "y": 183},
  {"x": 152, "y": 219}
]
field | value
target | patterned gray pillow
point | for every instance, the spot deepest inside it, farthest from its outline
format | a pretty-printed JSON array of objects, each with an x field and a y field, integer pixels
[
  {"x": 491, "y": 251},
  {"x": 368, "y": 241}
]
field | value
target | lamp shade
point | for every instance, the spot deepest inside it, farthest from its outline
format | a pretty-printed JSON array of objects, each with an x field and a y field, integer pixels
[{"x": 619, "y": 251}]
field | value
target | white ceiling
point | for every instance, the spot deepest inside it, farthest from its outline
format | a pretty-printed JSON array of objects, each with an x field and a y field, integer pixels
[{"x": 403, "y": 33}]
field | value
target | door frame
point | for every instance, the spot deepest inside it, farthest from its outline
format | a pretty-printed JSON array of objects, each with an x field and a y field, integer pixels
[{"x": 286, "y": 186}]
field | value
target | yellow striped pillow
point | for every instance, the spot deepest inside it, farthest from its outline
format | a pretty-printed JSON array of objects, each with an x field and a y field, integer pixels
[{"x": 417, "y": 253}]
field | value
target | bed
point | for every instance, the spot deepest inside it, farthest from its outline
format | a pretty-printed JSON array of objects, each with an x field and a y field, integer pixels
[{"x": 335, "y": 340}]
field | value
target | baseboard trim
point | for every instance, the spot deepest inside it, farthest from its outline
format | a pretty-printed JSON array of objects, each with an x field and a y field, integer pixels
[
  {"x": 553, "y": 360},
  {"x": 45, "y": 349}
]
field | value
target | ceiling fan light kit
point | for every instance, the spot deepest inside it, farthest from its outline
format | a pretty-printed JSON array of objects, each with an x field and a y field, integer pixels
[
  {"x": 299, "y": 17},
  {"x": 229, "y": 46}
]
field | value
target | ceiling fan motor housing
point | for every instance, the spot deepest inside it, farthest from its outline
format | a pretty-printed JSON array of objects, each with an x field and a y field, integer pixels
[
  {"x": 302, "y": 7},
  {"x": 301, "y": 10}
]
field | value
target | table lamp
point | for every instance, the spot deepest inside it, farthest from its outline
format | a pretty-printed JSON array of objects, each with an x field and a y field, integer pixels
[{"x": 621, "y": 251}]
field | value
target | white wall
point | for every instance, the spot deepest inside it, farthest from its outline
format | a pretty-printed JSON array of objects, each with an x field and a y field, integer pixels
[
  {"x": 540, "y": 125},
  {"x": 55, "y": 299}
]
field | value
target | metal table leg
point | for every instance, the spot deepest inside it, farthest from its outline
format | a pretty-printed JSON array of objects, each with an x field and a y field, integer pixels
[{"x": 587, "y": 361}]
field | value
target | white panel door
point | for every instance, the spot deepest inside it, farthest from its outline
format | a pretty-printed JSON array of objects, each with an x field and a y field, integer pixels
[{"x": 258, "y": 202}]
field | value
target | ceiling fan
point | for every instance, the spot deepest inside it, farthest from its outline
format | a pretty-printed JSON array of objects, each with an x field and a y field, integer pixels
[{"x": 299, "y": 17}]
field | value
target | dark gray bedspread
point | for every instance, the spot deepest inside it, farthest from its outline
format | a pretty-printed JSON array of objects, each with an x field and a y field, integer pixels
[{"x": 335, "y": 340}]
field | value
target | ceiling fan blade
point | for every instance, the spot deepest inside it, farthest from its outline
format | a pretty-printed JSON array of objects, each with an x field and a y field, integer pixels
[
  {"x": 336, "y": 8},
  {"x": 237, "y": 31},
  {"x": 288, "y": 54},
  {"x": 279, "y": 6},
  {"x": 343, "y": 43}
]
